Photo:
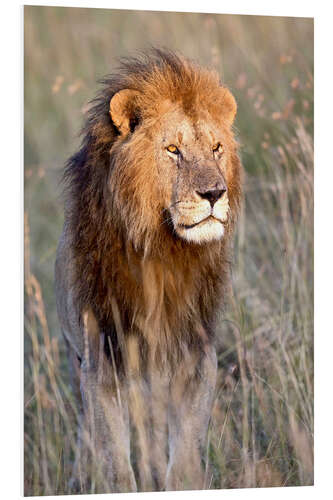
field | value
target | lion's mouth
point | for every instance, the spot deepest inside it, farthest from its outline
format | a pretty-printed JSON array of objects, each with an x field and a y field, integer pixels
[{"x": 206, "y": 219}]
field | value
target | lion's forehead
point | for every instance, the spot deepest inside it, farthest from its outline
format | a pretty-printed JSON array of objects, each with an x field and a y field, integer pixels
[{"x": 184, "y": 130}]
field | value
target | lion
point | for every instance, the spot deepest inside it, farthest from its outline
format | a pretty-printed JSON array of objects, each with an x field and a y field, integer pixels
[{"x": 143, "y": 264}]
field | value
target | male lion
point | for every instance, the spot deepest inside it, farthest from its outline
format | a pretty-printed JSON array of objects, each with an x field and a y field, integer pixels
[{"x": 143, "y": 265}]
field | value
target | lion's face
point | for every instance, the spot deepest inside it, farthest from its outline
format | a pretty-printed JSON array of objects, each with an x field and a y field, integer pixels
[
  {"x": 175, "y": 168},
  {"x": 191, "y": 158}
]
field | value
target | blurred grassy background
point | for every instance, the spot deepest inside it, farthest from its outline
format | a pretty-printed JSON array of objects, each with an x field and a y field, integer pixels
[{"x": 262, "y": 427}]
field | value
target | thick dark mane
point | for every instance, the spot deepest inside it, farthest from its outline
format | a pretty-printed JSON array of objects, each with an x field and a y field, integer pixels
[{"x": 106, "y": 262}]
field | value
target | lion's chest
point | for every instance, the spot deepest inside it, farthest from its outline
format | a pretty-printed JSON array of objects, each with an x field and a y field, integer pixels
[{"x": 169, "y": 300}]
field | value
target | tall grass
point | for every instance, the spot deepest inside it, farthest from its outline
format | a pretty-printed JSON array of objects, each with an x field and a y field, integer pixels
[{"x": 261, "y": 432}]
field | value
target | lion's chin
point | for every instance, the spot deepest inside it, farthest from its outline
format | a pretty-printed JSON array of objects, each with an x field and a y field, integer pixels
[{"x": 204, "y": 232}]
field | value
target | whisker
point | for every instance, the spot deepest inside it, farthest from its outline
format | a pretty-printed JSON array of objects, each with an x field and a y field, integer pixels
[{"x": 171, "y": 206}]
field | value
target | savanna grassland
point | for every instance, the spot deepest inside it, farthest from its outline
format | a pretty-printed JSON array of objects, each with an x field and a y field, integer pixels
[{"x": 261, "y": 432}]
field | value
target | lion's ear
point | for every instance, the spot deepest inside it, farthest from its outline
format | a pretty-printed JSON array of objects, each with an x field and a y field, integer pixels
[
  {"x": 124, "y": 110},
  {"x": 229, "y": 105}
]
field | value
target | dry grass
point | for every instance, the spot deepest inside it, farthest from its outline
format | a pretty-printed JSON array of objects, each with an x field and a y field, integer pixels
[{"x": 261, "y": 433}]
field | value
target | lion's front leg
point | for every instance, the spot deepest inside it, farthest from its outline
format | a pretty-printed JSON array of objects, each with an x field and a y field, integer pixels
[
  {"x": 105, "y": 434},
  {"x": 191, "y": 398}
]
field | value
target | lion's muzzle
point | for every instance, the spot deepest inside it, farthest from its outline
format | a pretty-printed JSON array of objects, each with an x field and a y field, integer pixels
[
  {"x": 201, "y": 219},
  {"x": 202, "y": 205}
]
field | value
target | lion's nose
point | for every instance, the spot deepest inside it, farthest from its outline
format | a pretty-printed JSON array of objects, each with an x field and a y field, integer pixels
[{"x": 212, "y": 195}]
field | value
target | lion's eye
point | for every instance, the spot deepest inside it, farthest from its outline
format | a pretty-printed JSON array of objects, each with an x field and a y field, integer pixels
[
  {"x": 173, "y": 149},
  {"x": 217, "y": 148}
]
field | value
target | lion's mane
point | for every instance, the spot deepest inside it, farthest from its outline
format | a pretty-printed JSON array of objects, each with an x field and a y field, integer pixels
[{"x": 168, "y": 291}]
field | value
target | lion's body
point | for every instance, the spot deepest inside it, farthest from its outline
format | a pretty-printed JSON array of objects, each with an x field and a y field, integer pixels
[{"x": 133, "y": 256}]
